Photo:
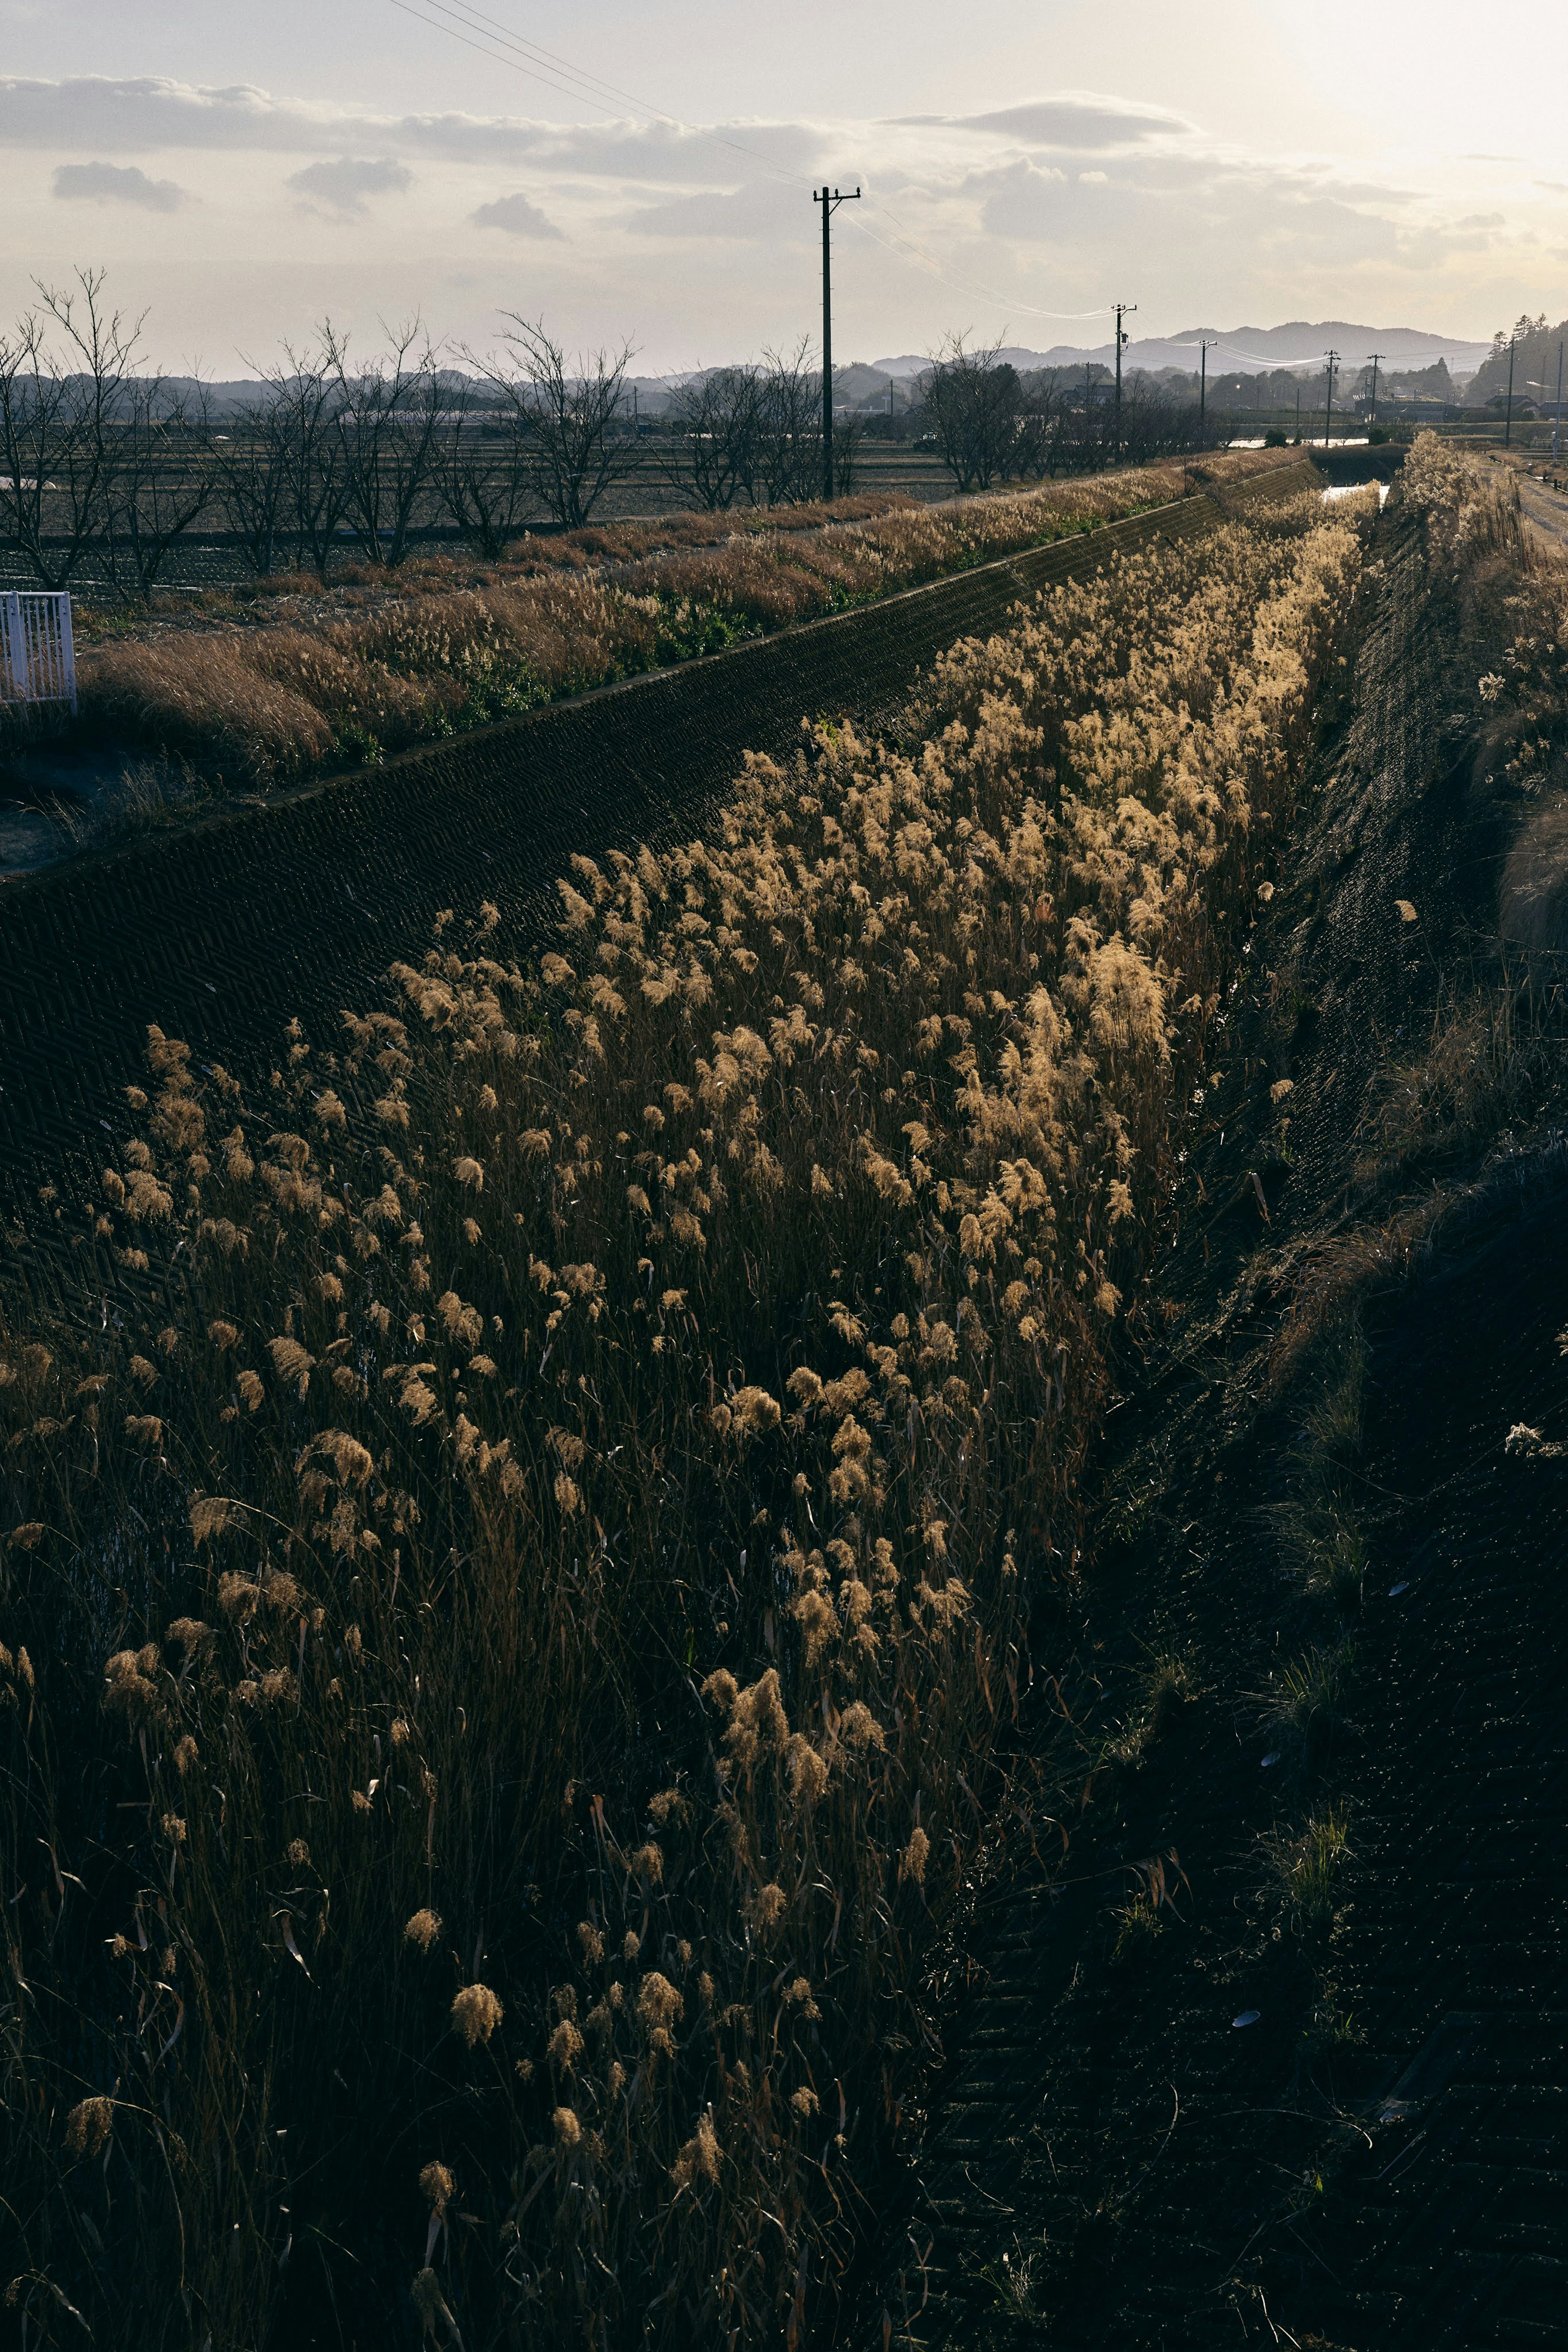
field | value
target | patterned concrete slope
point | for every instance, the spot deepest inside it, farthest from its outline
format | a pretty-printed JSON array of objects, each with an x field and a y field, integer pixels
[{"x": 223, "y": 932}]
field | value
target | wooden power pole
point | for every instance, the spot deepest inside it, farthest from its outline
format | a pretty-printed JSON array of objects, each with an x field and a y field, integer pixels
[
  {"x": 1123, "y": 310},
  {"x": 830, "y": 199},
  {"x": 1374, "y": 357}
]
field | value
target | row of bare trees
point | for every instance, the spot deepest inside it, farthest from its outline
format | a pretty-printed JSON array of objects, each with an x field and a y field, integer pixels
[
  {"x": 92, "y": 448},
  {"x": 753, "y": 435},
  {"x": 98, "y": 452},
  {"x": 990, "y": 427}
]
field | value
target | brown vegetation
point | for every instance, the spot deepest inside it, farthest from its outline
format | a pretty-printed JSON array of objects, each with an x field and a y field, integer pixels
[
  {"x": 262, "y": 705},
  {"x": 519, "y": 1548}
]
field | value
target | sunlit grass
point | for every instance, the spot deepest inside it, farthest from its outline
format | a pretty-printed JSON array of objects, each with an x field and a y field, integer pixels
[{"x": 520, "y": 1539}]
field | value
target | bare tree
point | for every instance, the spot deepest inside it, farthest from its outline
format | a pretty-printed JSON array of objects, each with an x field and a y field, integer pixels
[
  {"x": 570, "y": 422},
  {"x": 789, "y": 429},
  {"x": 387, "y": 417},
  {"x": 1036, "y": 432},
  {"x": 305, "y": 408},
  {"x": 251, "y": 482},
  {"x": 715, "y": 421},
  {"x": 754, "y": 434},
  {"x": 972, "y": 399},
  {"x": 848, "y": 438},
  {"x": 486, "y": 474},
  {"x": 281, "y": 477},
  {"x": 160, "y": 478},
  {"x": 64, "y": 368}
]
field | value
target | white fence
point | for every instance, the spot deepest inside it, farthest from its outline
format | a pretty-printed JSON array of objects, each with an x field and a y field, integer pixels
[{"x": 38, "y": 659}]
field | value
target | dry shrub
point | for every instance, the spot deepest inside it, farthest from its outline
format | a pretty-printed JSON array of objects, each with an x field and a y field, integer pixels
[
  {"x": 1468, "y": 510},
  {"x": 208, "y": 699},
  {"x": 651, "y": 1401},
  {"x": 1486, "y": 1064}
]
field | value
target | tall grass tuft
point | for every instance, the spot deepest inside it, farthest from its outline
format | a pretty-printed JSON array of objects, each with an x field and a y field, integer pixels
[{"x": 519, "y": 1541}]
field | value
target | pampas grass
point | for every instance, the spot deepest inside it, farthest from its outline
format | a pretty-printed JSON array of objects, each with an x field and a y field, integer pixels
[{"x": 618, "y": 1434}]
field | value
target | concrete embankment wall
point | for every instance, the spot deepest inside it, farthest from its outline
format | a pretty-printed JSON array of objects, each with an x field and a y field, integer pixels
[{"x": 223, "y": 931}]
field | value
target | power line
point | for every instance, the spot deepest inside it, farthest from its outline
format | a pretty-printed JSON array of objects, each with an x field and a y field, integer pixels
[
  {"x": 478, "y": 19},
  {"x": 973, "y": 285},
  {"x": 486, "y": 50},
  {"x": 525, "y": 61},
  {"x": 488, "y": 36}
]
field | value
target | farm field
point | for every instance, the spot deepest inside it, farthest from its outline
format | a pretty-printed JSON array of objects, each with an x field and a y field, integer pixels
[{"x": 729, "y": 1615}]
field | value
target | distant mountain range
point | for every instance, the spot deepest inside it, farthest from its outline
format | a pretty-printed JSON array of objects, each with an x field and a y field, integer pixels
[{"x": 1300, "y": 344}]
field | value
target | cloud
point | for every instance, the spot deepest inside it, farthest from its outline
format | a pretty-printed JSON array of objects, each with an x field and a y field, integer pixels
[
  {"x": 117, "y": 184},
  {"x": 1075, "y": 119},
  {"x": 151, "y": 112},
  {"x": 516, "y": 216},
  {"x": 148, "y": 110},
  {"x": 1429, "y": 247},
  {"x": 1284, "y": 218},
  {"x": 1044, "y": 201},
  {"x": 762, "y": 210},
  {"x": 345, "y": 187}
]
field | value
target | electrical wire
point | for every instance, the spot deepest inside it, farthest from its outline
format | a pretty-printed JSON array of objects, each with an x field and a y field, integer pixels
[
  {"x": 1271, "y": 366},
  {"x": 476, "y": 29},
  {"x": 487, "y": 35},
  {"x": 548, "y": 72}
]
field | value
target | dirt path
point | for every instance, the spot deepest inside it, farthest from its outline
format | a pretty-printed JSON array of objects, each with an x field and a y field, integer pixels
[
  {"x": 1545, "y": 509},
  {"x": 1204, "y": 2120}
]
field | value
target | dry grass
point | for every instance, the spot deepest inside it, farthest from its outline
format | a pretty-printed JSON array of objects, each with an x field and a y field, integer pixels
[
  {"x": 1306, "y": 1867},
  {"x": 324, "y": 683},
  {"x": 518, "y": 1545}
]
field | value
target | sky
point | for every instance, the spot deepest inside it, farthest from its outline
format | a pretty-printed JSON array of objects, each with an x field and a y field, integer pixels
[{"x": 242, "y": 172}]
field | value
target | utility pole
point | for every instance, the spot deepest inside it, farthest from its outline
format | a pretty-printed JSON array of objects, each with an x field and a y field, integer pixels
[
  {"x": 1298, "y": 412},
  {"x": 1123, "y": 310},
  {"x": 829, "y": 200},
  {"x": 1508, "y": 428},
  {"x": 1374, "y": 357},
  {"x": 1332, "y": 360},
  {"x": 1557, "y": 413},
  {"x": 1204, "y": 348}
]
